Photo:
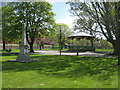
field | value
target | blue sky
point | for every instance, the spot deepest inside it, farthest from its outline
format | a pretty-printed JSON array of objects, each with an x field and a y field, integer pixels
[{"x": 61, "y": 9}]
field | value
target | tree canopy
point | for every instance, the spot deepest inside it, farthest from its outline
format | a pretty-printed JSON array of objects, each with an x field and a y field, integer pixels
[
  {"x": 10, "y": 29},
  {"x": 104, "y": 14},
  {"x": 63, "y": 32},
  {"x": 37, "y": 16}
]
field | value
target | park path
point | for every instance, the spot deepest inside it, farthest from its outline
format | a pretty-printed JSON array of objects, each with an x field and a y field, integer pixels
[{"x": 88, "y": 53}]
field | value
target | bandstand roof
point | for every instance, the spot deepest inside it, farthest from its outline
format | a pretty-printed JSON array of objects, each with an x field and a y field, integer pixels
[{"x": 80, "y": 35}]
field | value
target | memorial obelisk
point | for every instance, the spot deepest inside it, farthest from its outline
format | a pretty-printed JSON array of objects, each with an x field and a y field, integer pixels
[{"x": 23, "y": 56}]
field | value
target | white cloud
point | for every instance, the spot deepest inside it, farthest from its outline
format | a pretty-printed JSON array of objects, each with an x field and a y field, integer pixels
[
  {"x": 54, "y": 1},
  {"x": 69, "y": 21}
]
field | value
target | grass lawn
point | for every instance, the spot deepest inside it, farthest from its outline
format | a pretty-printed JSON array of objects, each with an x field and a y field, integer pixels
[
  {"x": 13, "y": 50},
  {"x": 17, "y": 50},
  {"x": 104, "y": 50},
  {"x": 54, "y": 48},
  {"x": 52, "y": 71}
]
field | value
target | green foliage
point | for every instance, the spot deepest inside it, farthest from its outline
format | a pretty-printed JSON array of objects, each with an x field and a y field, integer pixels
[
  {"x": 102, "y": 44},
  {"x": 37, "y": 16},
  {"x": 103, "y": 14},
  {"x": 10, "y": 29},
  {"x": 65, "y": 32},
  {"x": 82, "y": 42}
]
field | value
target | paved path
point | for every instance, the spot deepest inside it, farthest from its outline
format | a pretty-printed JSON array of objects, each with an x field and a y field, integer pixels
[{"x": 88, "y": 53}]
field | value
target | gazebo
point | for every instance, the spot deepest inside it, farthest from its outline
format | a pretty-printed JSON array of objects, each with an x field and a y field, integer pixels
[{"x": 78, "y": 37}]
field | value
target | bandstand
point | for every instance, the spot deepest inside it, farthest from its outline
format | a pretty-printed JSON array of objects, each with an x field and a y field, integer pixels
[{"x": 78, "y": 37}]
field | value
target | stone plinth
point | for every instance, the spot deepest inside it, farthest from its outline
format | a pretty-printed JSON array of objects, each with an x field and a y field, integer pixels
[{"x": 23, "y": 56}]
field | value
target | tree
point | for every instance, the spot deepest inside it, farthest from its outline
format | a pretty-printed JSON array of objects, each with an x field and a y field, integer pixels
[
  {"x": 65, "y": 32},
  {"x": 85, "y": 23},
  {"x": 37, "y": 16},
  {"x": 10, "y": 29},
  {"x": 102, "y": 44},
  {"x": 106, "y": 15}
]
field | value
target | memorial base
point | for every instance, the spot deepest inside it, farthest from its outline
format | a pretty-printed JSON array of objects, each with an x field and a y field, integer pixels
[{"x": 23, "y": 58}]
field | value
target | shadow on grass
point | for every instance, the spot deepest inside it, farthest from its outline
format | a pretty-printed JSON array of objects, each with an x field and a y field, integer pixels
[
  {"x": 9, "y": 54},
  {"x": 67, "y": 66}
]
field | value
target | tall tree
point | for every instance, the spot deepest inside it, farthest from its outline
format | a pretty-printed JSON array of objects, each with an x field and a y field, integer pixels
[
  {"x": 10, "y": 29},
  {"x": 65, "y": 32},
  {"x": 85, "y": 23},
  {"x": 38, "y": 18},
  {"x": 106, "y": 15}
]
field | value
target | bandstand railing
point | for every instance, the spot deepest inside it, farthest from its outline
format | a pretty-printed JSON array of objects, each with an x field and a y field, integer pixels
[{"x": 81, "y": 48}]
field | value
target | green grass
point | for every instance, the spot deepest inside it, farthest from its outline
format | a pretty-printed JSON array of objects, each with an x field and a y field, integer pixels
[
  {"x": 52, "y": 71},
  {"x": 104, "y": 49},
  {"x": 54, "y": 48},
  {"x": 13, "y": 50},
  {"x": 17, "y": 50}
]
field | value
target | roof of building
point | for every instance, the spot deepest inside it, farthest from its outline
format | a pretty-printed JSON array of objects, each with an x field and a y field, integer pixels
[{"x": 81, "y": 35}]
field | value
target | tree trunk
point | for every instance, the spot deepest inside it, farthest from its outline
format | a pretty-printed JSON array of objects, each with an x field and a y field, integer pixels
[
  {"x": 37, "y": 45},
  {"x": 116, "y": 51},
  {"x": 40, "y": 47},
  {"x": 30, "y": 42},
  {"x": 31, "y": 47},
  {"x": 43, "y": 46},
  {"x": 4, "y": 45},
  {"x": 92, "y": 45},
  {"x": 118, "y": 59}
]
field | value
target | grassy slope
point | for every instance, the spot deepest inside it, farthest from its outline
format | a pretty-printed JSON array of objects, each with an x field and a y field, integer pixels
[{"x": 60, "y": 72}]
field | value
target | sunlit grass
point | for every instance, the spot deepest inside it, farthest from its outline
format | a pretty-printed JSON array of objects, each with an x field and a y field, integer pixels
[
  {"x": 55, "y": 48},
  {"x": 52, "y": 71},
  {"x": 104, "y": 50},
  {"x": 12, "y": 50}
]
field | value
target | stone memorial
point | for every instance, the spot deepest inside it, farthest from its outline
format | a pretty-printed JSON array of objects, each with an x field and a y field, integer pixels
[{"x": 23, "y": 56}]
